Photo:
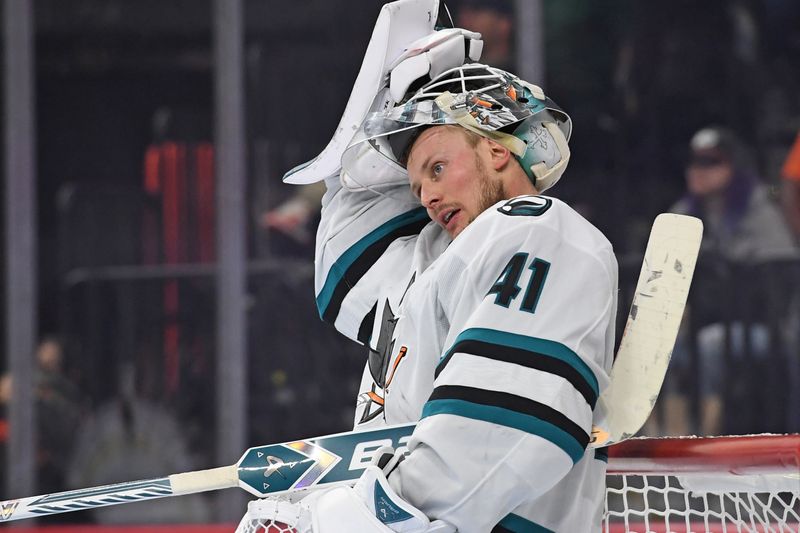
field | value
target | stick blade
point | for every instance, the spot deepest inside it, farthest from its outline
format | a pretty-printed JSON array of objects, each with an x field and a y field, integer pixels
[{"x": 652, "y": 327}]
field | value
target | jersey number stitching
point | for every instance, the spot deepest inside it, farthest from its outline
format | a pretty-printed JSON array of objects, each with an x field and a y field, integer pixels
[{"x": 506, "y": 287}]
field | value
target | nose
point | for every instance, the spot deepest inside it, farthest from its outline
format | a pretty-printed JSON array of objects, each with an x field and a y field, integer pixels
[{"x": 429, "y": 197}]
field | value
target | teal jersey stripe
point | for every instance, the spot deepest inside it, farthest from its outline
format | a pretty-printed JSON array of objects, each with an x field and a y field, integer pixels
[
  {"x": 505, "y": 417},
  {"x": 349, "y": 257},
  {"x": 516, "y": 524},
  {"x": 601, "y": 454},
  {"x": 532, "y": 344}
]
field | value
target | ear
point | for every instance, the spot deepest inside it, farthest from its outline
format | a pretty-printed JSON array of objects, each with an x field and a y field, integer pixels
[{"x": 499, "y": 155}]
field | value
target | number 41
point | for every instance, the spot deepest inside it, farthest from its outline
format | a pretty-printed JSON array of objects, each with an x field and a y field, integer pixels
[{"x": 507, "y": 285}]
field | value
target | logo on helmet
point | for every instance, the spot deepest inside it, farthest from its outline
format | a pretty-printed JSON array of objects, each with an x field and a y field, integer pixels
[{"x": 537, "y": 136}]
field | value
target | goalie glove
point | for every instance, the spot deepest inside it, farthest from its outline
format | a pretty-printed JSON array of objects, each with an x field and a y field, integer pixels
[
  {"x": 424, "y": 59},
  {"x": 371, "y": 506},
  {"x": 404, "y": 41}
]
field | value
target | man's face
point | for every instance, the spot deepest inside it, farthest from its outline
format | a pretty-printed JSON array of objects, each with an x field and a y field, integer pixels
[
  {"x": 452, "y": 177},
  {"x": 708, "y": 173}
]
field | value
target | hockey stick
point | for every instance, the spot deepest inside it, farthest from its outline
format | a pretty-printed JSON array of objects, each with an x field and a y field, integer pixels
[
  {"x": 656, "y": 311},
  {"x": 642, "y": 361}
]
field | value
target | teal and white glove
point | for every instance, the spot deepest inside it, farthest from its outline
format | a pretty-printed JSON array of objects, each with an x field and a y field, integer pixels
[
  {"x": 404, "y": 47},
  {"x": 371, "y": 506}
]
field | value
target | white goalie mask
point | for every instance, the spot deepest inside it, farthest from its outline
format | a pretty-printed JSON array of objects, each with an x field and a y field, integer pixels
[{"x": 483, "y": 99}]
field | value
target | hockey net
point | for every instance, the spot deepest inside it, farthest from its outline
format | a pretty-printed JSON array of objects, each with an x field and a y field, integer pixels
[
  {"x": 274, "y": 516},
  {"x": 686, "y": 484},
  {"x": 711, "y": 484}
]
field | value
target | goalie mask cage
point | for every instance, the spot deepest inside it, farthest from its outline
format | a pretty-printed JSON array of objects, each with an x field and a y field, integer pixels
[
  {"x": 698, "y": 484},
  {"x": 682, "y": 484}
]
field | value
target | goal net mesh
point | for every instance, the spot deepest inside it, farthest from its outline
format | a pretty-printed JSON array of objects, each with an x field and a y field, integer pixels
[
  {"x": 710, "y": 484},
  {"x": 274, "y": 516},
  {"x": 687, "y": 484}
]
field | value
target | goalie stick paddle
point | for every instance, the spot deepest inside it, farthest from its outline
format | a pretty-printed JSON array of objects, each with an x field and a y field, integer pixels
[
  {"x": 636, "y": 377},
  {"x": 648, "y": 339}
]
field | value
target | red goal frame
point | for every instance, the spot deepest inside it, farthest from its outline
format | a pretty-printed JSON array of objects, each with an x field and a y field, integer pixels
[
  {"x": 739, "y": 455},
  {"x": 698, "y": 456}
]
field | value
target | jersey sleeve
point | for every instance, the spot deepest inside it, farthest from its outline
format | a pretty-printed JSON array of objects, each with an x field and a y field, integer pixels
[
  {"x": 529, "y": 351},
  {"x": 364, "y": 239}
]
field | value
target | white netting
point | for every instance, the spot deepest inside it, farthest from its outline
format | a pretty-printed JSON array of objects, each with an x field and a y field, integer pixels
[
  {"x": 275, "y": 516},
  {"x": 712, "y": 484},
  {"x": 656, "y": 503}
]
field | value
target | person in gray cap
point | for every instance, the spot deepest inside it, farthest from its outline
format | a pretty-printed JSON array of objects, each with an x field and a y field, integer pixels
[{"x": 743, "y": 227}]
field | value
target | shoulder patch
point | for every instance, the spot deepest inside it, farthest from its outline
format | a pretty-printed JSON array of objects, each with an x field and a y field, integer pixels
[{"x": 526, "y": 206}]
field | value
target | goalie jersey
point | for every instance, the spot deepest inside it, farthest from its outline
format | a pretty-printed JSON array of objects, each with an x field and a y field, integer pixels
[{"x": 499, "y": 343}]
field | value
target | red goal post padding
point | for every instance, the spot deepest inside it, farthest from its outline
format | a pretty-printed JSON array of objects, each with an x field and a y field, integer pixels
[
  {"x": 704, "y": 484},
  {"x": 736, "y": 455}
]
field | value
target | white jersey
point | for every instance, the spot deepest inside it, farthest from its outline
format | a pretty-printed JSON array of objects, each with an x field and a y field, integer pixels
[{"x": 499, "y": 343}]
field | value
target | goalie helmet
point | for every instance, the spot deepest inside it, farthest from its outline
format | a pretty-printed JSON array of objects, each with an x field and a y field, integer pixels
[{"x": 483, "y": 99}]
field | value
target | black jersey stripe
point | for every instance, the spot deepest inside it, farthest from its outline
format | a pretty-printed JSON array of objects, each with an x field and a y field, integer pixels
[
  {"x": 510, "y": 410},
  {"x": 535, "y": 357},
  {"x": 359, "y": 258}
]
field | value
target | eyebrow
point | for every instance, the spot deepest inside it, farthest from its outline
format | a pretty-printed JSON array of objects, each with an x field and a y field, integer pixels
[{"x": 426, "y": 162}]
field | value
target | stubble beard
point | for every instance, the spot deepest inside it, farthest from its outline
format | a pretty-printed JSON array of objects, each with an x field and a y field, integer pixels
[{"x": 491, "y": 190}]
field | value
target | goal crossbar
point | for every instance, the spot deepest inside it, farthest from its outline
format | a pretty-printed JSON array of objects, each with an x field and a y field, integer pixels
[
  {"x": 739, "y": 483},
  {"x": 735, "y": 455}
]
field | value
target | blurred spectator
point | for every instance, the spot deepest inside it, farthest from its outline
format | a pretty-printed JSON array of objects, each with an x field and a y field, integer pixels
[
  {"x": 58, "y": 412},
  {"x": 743, "y": 226},
  {"x": 493, "y": 19},
  {"x": 742, "y": 223},
  {"x": 791, "y": 187},
  {"x": 296, "y": 217},
  {"x": 663, "y": 44},
  {"x": 127, "y": 439}
]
